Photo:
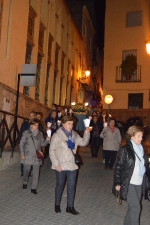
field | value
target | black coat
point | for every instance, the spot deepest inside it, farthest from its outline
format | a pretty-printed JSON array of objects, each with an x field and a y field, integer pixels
[
  {"x": 100, "y": 128},
  {"x": 25, "y": 126},
  {"x": 124, "y": 168}
]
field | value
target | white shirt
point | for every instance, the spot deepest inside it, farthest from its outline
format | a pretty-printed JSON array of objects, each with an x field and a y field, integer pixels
[{"x": 136, "y": 178}]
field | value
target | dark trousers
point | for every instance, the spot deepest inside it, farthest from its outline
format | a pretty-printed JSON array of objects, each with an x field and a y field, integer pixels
[
  {"x": 61, "y": 178},
  {"x": 26, "y": 171},
  {"x": 134, "y": 205},
  {"x": 47, "y": 151},
  {"x": 110, "y": 157},
  {"x": 95, "y": 144}
]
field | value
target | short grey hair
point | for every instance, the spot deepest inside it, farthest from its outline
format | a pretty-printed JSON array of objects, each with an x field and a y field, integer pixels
[{"x": 133, "y": 130}]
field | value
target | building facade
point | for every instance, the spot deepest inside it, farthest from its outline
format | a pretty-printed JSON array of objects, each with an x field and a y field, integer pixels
[
  {"x": 126, "y": 63},
  {"x": 43, "y": 32}
]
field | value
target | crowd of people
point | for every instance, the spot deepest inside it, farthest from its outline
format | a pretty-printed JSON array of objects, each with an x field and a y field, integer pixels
[{"x": 128, "y": 162}]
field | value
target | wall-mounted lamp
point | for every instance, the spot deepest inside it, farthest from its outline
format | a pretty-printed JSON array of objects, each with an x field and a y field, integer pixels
[
  {"x": 87, "y": 74},
  {"x": 86, "y": 104},
  {"x": 73, "y": 103},
  {"x": 148, "y": 47}
]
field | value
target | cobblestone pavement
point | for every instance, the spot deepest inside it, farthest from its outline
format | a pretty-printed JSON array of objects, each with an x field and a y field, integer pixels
[{"x": 94, "y": 200}]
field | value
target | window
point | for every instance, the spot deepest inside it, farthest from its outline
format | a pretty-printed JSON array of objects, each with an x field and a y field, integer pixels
[
  {"x": 41, "y": 37},
  {"x": 135, "y": 101},
  {"x": 56, "y": 56},
  {"x": 134, "y": 19},
  {"x": 1, "y": 12},
  {"x": 30, "y": 41}
]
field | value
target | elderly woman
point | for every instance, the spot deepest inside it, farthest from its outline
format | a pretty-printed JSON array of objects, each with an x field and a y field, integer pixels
[
  {"x": 32, "y": 140},
  {"x": 63, "y": 144},
  {"x": 111, "y": 143},
  {"x": 129, "y": 170}
]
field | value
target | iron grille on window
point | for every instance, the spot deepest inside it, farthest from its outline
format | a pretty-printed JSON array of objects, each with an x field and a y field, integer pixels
[{"x": 135, "y": 101}]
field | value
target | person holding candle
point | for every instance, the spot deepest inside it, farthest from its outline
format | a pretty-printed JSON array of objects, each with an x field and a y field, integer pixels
[
  {"x": 51, "y": 123},
  {"x": 95, "y": 140},
  {"x": 63, "y": 144},
  {"x": 111, "y": 143}
]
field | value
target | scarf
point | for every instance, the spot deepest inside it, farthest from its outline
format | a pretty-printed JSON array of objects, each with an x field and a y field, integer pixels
[
  {"x": 112, "y": 129},
  {"x": 140, "y": 153},
  {"x": 71, "y": 141},
  {"x": 34, "y": 133}
]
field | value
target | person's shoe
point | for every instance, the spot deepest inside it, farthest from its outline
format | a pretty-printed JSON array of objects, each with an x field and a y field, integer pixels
[
  {"x": 111, "y": 168},
  {"x": 34, "y": 191},
  {"x": 105, "y": 167},
  {"x": 57, "y": 209},
  {"x": 24, "y": 186},
  {"x": 71, "y": 210}
]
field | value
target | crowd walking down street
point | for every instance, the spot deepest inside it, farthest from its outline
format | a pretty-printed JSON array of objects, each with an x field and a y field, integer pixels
[{"x": 94, "y": 199}]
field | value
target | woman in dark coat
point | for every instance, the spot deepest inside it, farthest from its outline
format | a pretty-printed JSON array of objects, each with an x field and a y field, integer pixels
[
  {"x": 95, "y": 140},
  {"x": 129, "y": 171}
]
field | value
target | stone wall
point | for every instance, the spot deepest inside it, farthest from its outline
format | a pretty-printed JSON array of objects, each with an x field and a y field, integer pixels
[
  {"x": 26, "y": 104},
  {"x": 124, "y": 114}
]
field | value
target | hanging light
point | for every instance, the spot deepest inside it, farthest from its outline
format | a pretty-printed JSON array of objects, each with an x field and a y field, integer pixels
[{"x": 148, "y": 47}]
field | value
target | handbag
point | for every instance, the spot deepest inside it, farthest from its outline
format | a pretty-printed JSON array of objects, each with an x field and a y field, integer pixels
[
  {"x": 39, "y": 154},
  {"x": 118, "y": 199},
  {"x": 76, "y": 159}
]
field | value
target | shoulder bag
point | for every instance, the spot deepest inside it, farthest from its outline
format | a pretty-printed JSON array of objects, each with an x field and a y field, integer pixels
[
  {"x": 76, "y": 159},
  {"x": 39, "y": 154}
]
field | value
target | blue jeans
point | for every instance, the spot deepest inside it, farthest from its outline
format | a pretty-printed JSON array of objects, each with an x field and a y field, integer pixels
[{"x": 61, "y": 178}]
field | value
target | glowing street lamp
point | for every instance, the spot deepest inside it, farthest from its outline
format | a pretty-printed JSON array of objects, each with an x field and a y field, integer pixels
[
  {"x": 108, "y": 100},
  {"x": 148, "y": 47}
]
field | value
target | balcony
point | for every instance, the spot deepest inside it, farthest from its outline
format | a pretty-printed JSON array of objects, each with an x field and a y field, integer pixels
[{"x": 127, "y": 75}]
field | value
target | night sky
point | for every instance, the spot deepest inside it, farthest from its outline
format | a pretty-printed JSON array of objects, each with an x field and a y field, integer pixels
[{"x": 100, "y": 16}]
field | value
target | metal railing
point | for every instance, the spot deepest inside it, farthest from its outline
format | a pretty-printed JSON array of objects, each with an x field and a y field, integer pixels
[
  {"x": 127, "y": 75},
  {"x": 9, "y": 132}
]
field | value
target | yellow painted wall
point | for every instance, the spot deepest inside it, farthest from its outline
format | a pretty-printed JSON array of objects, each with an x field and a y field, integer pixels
[
  {"x": 13, "y": 40},
  {"x": 118, "y": 38},
  {"x": 58, "y": 21}
]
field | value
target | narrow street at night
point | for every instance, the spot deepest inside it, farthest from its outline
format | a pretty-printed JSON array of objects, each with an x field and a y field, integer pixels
[{"x": 94, "y": 200}]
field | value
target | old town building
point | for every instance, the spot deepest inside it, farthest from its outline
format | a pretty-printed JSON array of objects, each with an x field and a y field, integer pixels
[
  {"x": 126, "y": 62},
  {"x": 43, "y": 33}
]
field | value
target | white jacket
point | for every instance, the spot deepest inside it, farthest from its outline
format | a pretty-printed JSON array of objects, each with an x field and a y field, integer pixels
[{"x": 59, "y": 152}]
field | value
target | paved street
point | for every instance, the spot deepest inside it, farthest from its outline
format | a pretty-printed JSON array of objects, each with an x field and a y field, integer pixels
[{"x": 93, "y": 199}]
